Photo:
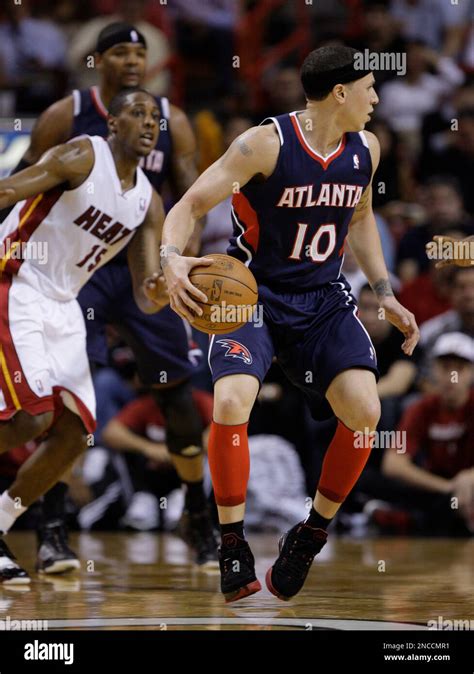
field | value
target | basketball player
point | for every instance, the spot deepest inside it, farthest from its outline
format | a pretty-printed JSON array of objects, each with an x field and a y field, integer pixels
[
  {"x": 305, "y": 184},
  {"x": 161, "y": 342},
  {"x": 83, "y": 202}
]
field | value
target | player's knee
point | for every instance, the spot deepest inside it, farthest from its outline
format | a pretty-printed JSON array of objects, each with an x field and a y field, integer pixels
[
  {"x": 232, "y": 407},
  {"x": 365, "y": 414}
]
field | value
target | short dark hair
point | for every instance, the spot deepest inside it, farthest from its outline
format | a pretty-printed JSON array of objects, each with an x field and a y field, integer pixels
[
  {"x": 118, "y": 101},
  {"x": 320, "y": 62}
]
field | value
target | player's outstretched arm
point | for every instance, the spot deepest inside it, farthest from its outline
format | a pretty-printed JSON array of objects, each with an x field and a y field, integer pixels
[
  {"x": 254, "y": 153},
  {"x": 364, "y": 241},
  {"x": 149, "y": 288},
  {"x": 70, "y": 163}
]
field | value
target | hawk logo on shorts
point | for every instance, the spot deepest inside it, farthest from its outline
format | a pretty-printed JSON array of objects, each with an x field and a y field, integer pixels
[{"x": 236, "y": 350}]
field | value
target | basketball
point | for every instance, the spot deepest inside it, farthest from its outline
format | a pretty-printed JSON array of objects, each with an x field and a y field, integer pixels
[{"x": 232, "y": 294}]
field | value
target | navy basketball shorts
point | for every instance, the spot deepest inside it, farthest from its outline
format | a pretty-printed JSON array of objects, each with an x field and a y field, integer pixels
[
  {"x": 313, "y": 335},
  {"x": 161, "y": 342}
]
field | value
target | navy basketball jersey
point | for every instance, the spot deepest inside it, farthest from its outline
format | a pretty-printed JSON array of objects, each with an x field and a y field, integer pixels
[
  {"x": 90, "y": 117},
  {"x": 290, "y": 229}
]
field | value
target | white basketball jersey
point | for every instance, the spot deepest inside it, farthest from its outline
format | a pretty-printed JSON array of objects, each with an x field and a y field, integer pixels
[{"x": 56, "y": 240}]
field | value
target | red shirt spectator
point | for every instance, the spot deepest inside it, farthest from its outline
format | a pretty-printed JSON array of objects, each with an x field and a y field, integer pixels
[
  {"x": 443, "y": 438},
  {"x": 422, "y": 298},
  {"x": 143, "y": 414}
]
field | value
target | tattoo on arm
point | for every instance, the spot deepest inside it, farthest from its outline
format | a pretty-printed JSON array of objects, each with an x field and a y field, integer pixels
[
  {"x": 165, "y": 251},
  {"x": 244, "y": 148},
  {"x": 382, "y": 288}
]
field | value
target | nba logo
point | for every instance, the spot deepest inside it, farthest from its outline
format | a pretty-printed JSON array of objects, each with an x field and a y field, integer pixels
[
  {"x": 355, "y": 159},
  {"x": 142, "y": 203}
]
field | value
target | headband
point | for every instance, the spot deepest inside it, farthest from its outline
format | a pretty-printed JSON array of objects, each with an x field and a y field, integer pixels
[{"x": 123, "y": 33}]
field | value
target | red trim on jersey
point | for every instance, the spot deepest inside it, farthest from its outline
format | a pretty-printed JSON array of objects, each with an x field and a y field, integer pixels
[
  {"x": 26, "y": 228},
  {"x": 248, "y": 218},
  {"x": 96, "y": 100},
  {"x": 324, "y": 162},
  {"x": 13, "y": 382},
  {"x": 84, "y": 413}
]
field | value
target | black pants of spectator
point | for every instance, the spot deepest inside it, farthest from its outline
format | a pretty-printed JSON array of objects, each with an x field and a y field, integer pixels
[{"x": 432, "y": 512}]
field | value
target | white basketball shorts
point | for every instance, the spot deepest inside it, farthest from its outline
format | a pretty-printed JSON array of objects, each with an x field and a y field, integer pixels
[{"x": 43, "y": 359}]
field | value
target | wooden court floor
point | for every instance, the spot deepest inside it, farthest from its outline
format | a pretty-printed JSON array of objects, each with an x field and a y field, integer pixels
[{"x": 147, "y": 581}]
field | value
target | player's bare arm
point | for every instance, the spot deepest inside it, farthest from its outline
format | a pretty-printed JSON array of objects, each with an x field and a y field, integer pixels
[
  {"x": 184, "y": 171},
  {"x": 70, "y": 163},
  {"x": 144, "y": 261},
  {"x": 364, "y": 241},
  {"x": 253, "y": 155},
  {"x": 52, "y": 127}
]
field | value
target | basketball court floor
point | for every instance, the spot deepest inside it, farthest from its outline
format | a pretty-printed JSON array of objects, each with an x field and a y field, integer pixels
[{"x": 147, "y": 581}]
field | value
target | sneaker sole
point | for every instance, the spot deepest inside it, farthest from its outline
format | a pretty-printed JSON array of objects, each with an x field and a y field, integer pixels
[
  {"x": 16, "y": 581},
  {"x": 268, "y": 582},
  {"x": 61, "y": 566},
  {"x": 242, "y": 592}
]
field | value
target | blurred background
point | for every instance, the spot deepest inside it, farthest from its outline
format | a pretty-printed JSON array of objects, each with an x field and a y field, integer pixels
[{"x": 229, "y": 63}]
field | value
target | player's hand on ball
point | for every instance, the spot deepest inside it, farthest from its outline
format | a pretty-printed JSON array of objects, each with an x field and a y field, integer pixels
[
  {"x": 181, "y": 291},
  {"x": 404, "y": 320}
]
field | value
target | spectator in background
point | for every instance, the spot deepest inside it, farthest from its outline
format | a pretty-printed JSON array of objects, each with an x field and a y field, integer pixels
[
  {"x": 284, "y": 91},
  {"x": 397, "y": 371},
  {"x": 32, "y": 57},
  {"x": 207, "y": 28},
  {"x": 139, "y": 431},
  {"x": 405, "y": 100},
  {"x": 158, "y": 49},
  {"x": 429, "y": 294},
  {"x": 458, "y": 319},
  {"x": 439, "y": 23},
  {"x": 438, "y": 463},
  {"x": 380, "y": 33},
  {"x": 458, "y": 158},
  {"x": 444, "y": 208}
]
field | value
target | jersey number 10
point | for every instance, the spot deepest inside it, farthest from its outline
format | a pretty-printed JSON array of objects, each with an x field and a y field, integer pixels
[{"x": 313, "y": 249}]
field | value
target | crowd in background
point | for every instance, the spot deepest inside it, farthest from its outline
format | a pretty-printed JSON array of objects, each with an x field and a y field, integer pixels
[{"x": 424, "y": 482}]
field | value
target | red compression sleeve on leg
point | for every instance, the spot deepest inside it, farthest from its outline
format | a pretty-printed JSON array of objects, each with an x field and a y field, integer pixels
[
  {"x": 345, "y": 459},
  {"x": 229, "y": 463}
]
